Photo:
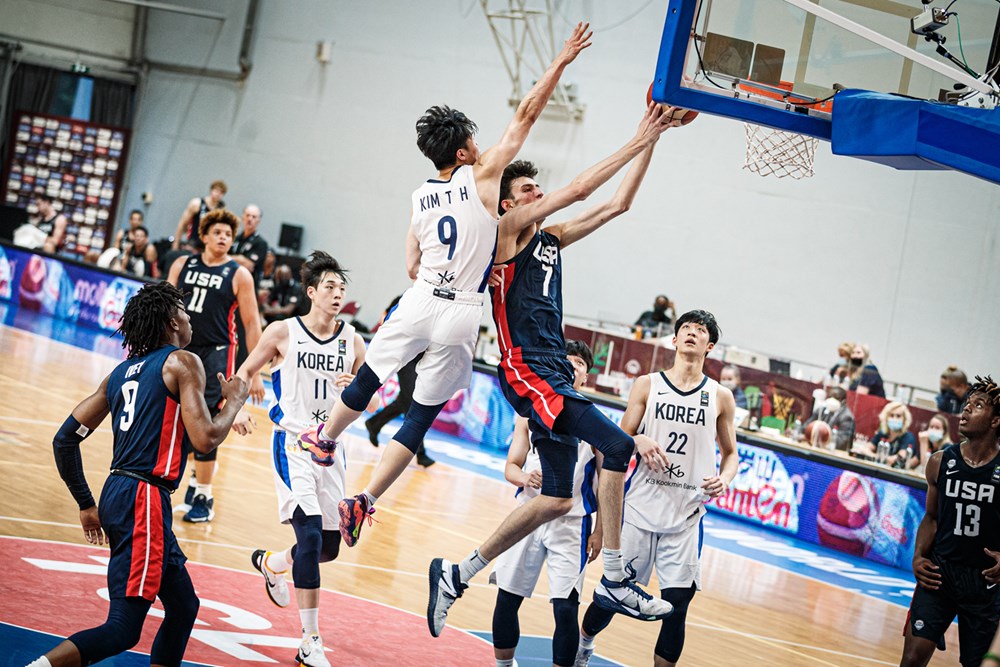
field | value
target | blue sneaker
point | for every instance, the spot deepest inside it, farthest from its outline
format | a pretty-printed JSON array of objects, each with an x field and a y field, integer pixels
[
  {"x": 201, "y": 509},
  {"x": 626, "y": 597}
]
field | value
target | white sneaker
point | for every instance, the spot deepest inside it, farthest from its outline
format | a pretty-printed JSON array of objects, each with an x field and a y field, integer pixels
[
  {"x": 626, "y": 597},
  {"x": 274, "y": 583},
  {"x": 583, "y": 657},
  {"x": 445, "y": 587},
  {"x": 311, "y": 652}
]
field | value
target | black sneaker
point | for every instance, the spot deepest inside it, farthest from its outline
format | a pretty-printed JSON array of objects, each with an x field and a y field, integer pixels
[
  {"x": 424, "y": 460},
  {"x": 372, "y": 432}
]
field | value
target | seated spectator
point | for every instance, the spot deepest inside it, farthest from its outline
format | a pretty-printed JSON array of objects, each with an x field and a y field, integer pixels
[
  {"x": 52, "y": 222},
  {"x": 730, "y": 379},
  {"x": 935, "y": 437},
  {"x": 834, "y": 411},
  {"x": 894, "y": 424},
  {"x": 955, "y": 389},
  {"x": 286, "y": 298},
  {"x": 135, "y": 219},
  {"x": 838, "y": 373},
  {"x": 139, "y": 257},
  {"x": 863, "y": 376},
  {"x": 659, "y": 319}
]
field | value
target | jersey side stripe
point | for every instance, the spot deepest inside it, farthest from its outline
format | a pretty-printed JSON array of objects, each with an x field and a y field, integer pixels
[
  {"x": 547, "y": 403},
  {"x": 166, "y": 459},
  {"x": 233, "y": 340},
  {"x": 147, "y": 544}
]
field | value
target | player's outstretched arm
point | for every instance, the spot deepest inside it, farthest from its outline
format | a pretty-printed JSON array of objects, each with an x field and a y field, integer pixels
[
  {"x": 185, "y": 376},
  {"x": 246, "y": 299},
  {"x": 190, "y": 211},
  {"x": 725, "y": 429},
  {"x": 85, "y": 418},
  {"x": 174, "y": 272},
  {"x": 413, "y": 254},
  {"x": 516, "y": 456},
  {"x": 493, "y": 161},
  {"x": 926, "y": 572},
  {"x": 636, "y": 407}
]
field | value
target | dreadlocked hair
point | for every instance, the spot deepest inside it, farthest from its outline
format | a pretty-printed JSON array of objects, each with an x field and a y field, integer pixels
[
  {"x": 986, "y": 385},
  {"x": 146, "y": 316}
]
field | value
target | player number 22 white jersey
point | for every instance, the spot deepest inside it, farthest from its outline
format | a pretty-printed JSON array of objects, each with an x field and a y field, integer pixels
[
  {"x": 683, "y": 423},
  {"x": 304, "y": 380},
  {"x": 457, "y": 235}
]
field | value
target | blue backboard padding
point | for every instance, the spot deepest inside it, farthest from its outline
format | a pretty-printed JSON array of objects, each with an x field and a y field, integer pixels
[
  {"x": 669, "y": 71},
  {"x": 913, "y": 134}
]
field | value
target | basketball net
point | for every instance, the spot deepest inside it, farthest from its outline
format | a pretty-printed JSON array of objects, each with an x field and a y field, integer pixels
[{"x": 778, "y": 153}]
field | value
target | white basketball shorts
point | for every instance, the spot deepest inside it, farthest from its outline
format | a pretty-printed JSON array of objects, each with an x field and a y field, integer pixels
[
  {"x": 302, "y": 483},
  {"x": 677, "y": 556}
]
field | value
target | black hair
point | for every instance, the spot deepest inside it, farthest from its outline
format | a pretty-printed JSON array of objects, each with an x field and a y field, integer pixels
[
  {"x": 441, "y": 131},
  {"x": 146, "y": 317},
  {"x": 134, "y": 211},
  {"x": 577, "y": 348},
  {"x": 41, "y": 196},
  {"x": 838, "y": 393},
  {"x": 704, "y": 318},
  {"x": 986, "y": 386},
  {"x": 513, "y": 171},
  {"x": 319, "y": 263},
  {"x": 141, "y": 228}
]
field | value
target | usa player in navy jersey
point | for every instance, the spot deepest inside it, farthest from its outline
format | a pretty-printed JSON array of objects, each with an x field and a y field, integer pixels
[
  {"x": 216, "y": 287},
  {"x": 537, "y": 379},
  {"x": 956, "y": 557},
  {"x": 156, "y": 399},
  {"x": 312, "y": 358},
  {"x": 450, "y": 249}
]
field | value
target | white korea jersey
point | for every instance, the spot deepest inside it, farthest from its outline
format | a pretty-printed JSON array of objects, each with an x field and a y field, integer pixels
[
  {"x": 304, "y": 380},
  {"x": 584, "y": 481},
  {"x": 457, "y": 235},
  {"x": 683, "y": 423}
]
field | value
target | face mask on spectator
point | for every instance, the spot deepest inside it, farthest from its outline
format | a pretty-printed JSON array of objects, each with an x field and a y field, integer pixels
[
  {"x": 731, "y": 385},
  {"x": 832, "y": 404},
  {"x": 894, "y": 423},
  {"x": 856, "y": 362},
  {"x": 935, "y": 436}
]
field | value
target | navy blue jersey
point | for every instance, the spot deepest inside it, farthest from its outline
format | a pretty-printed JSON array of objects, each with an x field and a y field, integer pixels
[
  {"x": 146, "y": 419},
  {"x": 968, "y": 510},
  {"x": 527, "y": 307},
  {"x": 211, "y": 301}
]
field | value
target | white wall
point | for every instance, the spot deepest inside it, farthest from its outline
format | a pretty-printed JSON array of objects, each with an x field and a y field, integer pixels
[{"x": 904, "y": 261}]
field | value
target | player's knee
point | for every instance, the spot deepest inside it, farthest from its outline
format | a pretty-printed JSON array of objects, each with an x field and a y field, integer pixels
[
  {"x": 554, "y": 507},
  {"x": 306, "y": 552},
  {"x": 417, "y": 422},
  {"x": 506, "y": 628},
  {"x": 119, "y": 633},
  {"x": 595, "y": 619},
  {"x": 617, "y": 452},
  {"x": 670, "y": 642},
  {"x": 361, "y": 390},
  {"x": 567, "y": 633},
  {"x": 611, "y": 441},
  {"x": 206, "y": 456},
  {"x": 331, "y": 546}
]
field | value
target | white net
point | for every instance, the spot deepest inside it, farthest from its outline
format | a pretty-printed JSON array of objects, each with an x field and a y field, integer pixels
[{"x": 778, "y": 153}]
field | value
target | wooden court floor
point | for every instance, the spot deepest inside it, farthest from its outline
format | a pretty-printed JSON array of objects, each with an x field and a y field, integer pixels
[{"x": 749, "y": 613}]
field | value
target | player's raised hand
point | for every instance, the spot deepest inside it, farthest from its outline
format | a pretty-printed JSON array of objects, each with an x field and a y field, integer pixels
[
  {"x": 92, "y": 526},
  {"x": 244, "y": 424},
  {"x": 578, "y": 41},
  {"x": 651, "y": 453},
  {"x": 235, "y": 389},
  {"x": 654, "y": 122},
  {"x": 714, "y": 487},
  {"x": 992, "y": 574},
  {"x": 926, "y": 573}
]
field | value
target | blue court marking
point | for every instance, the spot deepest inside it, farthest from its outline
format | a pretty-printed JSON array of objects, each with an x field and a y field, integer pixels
[
  {"x": 533, "y": 650},
  {"x": 20, "y": 646}
]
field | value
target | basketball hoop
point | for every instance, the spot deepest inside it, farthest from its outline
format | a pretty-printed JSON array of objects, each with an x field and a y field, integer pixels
[{"x": 778, "y": 153}]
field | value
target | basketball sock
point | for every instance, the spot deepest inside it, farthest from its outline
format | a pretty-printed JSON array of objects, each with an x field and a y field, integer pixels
[
  {"x": 370, "y": 497},
  {"x": 505, "y": 663},
  {"x": 614, "y": 564},
  {"x": 41, "y": 662},
  {"x": 310, "y": 621},
  {"x": 277, "y": 562},
  {"x": 472, "y": 564},
  {"x": 586, "y": 642},
  {"x": 204, "y": 490}
]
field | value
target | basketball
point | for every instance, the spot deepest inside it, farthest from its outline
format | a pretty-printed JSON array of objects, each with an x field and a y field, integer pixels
[
  {"x": 847, "y": 515},
  {"x": 818, "y": 433},
  {"x": 676, "y": 114}
]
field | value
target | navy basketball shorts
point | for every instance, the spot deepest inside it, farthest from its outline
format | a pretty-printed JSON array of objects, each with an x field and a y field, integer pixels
[
  {"x": 964, "y": 593},
  {"x": 536, "y": 385},
  {"x": 137, "y": 519},
  {"x": 215, "y": 359}
]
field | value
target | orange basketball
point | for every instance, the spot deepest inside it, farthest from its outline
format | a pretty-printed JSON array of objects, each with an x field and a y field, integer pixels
[
  {"x": 685, "y": 116},
  {"x": 820, "y": 431}
]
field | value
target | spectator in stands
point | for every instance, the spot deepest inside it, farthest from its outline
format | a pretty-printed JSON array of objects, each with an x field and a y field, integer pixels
[
  {"x": 863, "y": 375},
  {"x": 935, "y": 437},
  {"x": 894, "y": 428},
  {"x": 730, "y": 379},
  {"x": 660, "y": 318},
  {"x": 135, "y": 219},
  {"x": 52, "y": 223},
  {"x": 834, "y": 411},
  {"x": 839, "y": 371},
  {"x": 139, "y": 257},
  {"x": 954, "y": 390},
  {"x": 198, "y": 208},
  {"x": 250, "y": 248},
  {"x": 286, "y": 298}
]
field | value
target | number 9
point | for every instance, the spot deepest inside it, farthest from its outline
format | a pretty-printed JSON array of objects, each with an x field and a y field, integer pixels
[{"x": 448, "y": 234}]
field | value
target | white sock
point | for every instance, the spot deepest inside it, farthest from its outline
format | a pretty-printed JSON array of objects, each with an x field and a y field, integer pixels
[
  {"x": 204, "y": 490},
  {"x": 472, "y": 564},
  {"x": 614, "y": 564},
  {"x": 505, "y": 663},
  {"x": 310, "y": 621},
  {"x": 40, "y": 662},
  {"x": 370, "y": 497},
  {"x": 277, "y": 562},
  {"x": 586, "y": 642}
]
